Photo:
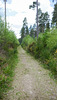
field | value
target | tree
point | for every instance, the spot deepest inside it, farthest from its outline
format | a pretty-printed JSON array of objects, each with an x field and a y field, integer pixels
[
  {"x": 36, "y": 4},
  {"x": 25, "y": 22},
  {"x": 27, "y": 30},
  {"x": 24, "y": 29},
  {"x": 47, "y": 26},
  {"x": 43, "y": 20},
  {"x": 35, "y": 32},
  {"x": 54, "y": 18},
  {"x": 22, "y": 32},
  {"x": 32, "y": 30},
  {"x": 25, "y": 25}
]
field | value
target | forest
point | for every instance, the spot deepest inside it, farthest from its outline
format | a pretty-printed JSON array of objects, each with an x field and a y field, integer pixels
[
  {"x": 45, "y": 47},
  {"x": 42, "y": 48}
]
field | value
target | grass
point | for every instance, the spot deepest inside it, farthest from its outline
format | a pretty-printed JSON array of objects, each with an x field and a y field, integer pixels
[{"x": 7, "y": 74}]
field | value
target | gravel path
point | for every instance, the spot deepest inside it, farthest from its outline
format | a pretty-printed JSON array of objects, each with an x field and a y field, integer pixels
[{"x": 31, "y": 81}]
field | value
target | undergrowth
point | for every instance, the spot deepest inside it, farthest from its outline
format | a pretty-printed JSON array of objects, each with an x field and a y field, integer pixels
[
  {"x": 45, "y": 49},
  {"x": 7, "y": 73},
  {"x": 8, "y": 57}
]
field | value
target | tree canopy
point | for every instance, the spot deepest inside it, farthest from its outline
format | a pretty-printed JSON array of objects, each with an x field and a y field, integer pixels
[
  {"x": 24, "y": 29},
  {"x": 54, "y": 18},
  {"x": 43, "y": 20}
]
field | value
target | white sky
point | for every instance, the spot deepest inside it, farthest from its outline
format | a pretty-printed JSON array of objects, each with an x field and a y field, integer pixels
[{"x": 21, "y": 10}]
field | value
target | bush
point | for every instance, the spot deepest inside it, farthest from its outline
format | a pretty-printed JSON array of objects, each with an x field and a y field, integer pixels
[
  {"x": 31, "y": 47},
  {"x": 52, "y": 40},
  {"x": 27, "y": 41},
  {"x": 7, "y": 38},
  {"x": 52, "y": 65},
  {"x": 45, "y": 49},
  {"x": 8, "y": 56}
]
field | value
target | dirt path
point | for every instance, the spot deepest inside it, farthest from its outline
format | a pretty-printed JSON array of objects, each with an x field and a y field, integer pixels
[{"x": 31, "y": 81}]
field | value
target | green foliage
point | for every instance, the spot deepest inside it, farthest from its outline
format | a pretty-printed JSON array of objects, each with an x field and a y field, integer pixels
[
  {"x": 8, "y": 39},
  {"x": 2, "y": 61},
  {"x": 54, "y": 19},
  {"x": 8, "y": 57},
  {"x": 52, "y": 65},
  {"x": 48, "y": 51},
  {"x": 27, "y": 41},
  {"x": 43, "y": 20},
  {"x": 31, "y": 47},
  {"x": 24, "y": 29},
  {"x": 8, "y": 72},
  {"x": 45, "y": 49},
  {"x": 32, "y": 31},
  {"x": 52, "y": 40},
  {"x": 48, "y": 26}
]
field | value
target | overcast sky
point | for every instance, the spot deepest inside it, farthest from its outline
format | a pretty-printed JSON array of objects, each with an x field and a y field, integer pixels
[{"x": 18, "y": 9}]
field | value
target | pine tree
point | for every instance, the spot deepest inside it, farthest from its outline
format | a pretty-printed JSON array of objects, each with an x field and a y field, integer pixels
[
  {"x": 54, "y": 18},
  {"x": 48, "y": 26},
  {"x": 24, "y": 29},
  {"x": 43, "y": 20}
]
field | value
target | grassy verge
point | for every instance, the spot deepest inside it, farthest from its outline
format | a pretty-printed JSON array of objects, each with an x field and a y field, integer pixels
[{"x": 7, "y": 73}]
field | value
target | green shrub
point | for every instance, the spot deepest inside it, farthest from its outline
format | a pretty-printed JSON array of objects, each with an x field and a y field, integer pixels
[
  {"x": 45, "y": 48},
  {"x": 52, "y": 65},
  {"x": 45, "y": 54},
  {"x": 8, "y": 48},
  {"x": 27, "y": 41},
  {"x": 7, "y": 38},
  {"x": 52, "y": 40},
  {"x": 31, "y": 47}
]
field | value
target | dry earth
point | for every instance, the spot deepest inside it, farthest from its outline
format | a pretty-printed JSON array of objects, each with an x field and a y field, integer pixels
[{"x": 31, "y": 81}]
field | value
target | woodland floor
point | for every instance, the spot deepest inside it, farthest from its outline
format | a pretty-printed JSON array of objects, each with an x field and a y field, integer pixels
[{"x": 31, "y": 81}]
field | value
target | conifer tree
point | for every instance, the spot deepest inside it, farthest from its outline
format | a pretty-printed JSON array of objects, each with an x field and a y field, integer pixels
[
  {"x": 54, "y": 18},
  {"x": 24, "y": 29}
]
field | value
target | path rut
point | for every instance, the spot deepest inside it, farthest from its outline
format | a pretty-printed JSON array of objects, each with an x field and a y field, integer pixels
[{"x": 31, "y": 81}]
